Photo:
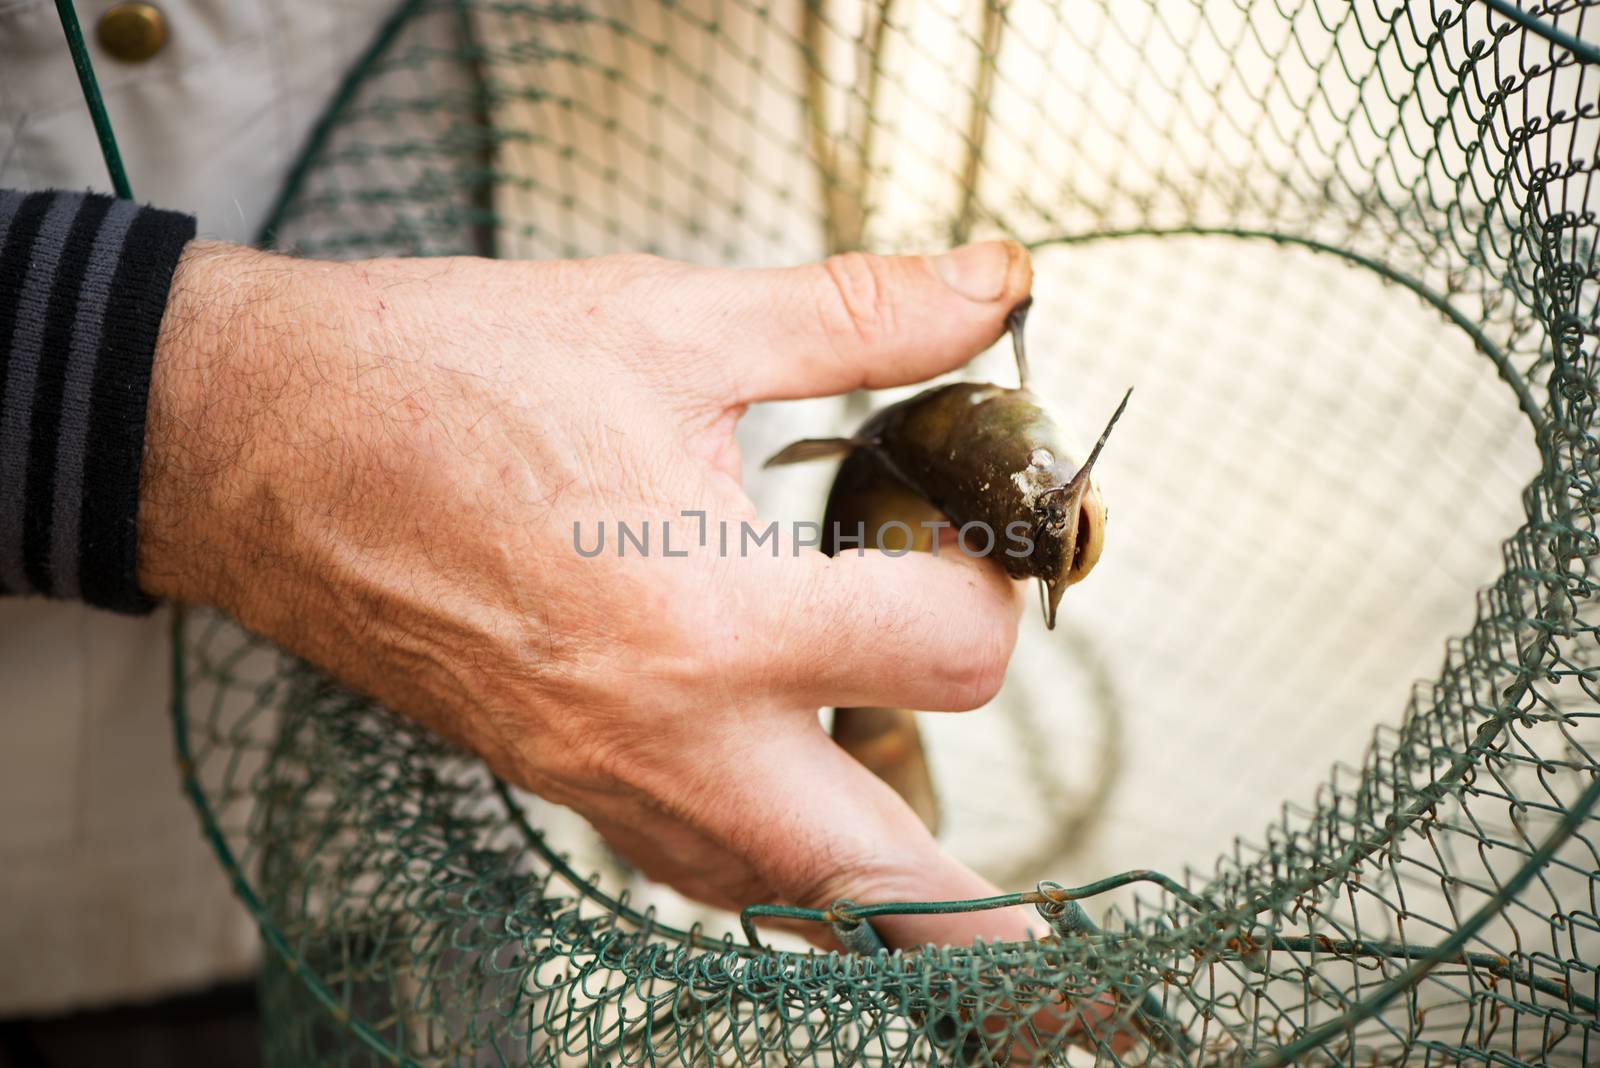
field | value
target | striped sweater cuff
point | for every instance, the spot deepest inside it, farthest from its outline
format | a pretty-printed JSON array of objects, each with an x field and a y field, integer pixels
[{"x": 83, "y": 285}]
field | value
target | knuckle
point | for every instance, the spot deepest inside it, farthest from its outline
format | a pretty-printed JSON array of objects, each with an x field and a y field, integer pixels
[
  {"x": 705, "y": 652},
  {"x": 857, "y": 304}
]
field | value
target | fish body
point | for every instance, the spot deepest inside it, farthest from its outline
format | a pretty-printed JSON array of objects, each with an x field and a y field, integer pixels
[
  {"x": 971, "y": 453},
  {"x": 963, "y": 454},
  {"x": 867, "y": 496}
]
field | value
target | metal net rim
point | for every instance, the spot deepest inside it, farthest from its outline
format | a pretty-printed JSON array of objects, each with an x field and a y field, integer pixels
[{"x": 632, "y": 953}]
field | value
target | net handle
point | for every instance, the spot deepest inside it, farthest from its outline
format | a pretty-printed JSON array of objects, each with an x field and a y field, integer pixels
[
  {"x": 91, "y": 96},
  {"x": 1581, "y": 49}
]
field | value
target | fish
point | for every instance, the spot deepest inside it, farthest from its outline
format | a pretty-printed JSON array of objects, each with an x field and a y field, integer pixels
[{"x": 973, "y": 456}]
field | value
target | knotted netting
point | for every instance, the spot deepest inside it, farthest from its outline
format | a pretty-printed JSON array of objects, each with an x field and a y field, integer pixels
[{"x": 1314, "y": 763}]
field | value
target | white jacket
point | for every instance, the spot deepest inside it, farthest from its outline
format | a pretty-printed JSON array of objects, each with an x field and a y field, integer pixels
[{"x": 107, "y": 890}]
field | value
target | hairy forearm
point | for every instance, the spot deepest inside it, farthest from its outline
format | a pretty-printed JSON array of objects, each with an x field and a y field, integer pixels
[
  {"x": 224, "y": 350},
  {"x": 260, "y": 427},
  {"x": 303, "y": 457}
]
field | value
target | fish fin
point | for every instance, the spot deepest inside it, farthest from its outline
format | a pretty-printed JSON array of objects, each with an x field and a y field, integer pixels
[
  {"x": 1015, "y": 320},
  {"x": 814, "y": 449}
]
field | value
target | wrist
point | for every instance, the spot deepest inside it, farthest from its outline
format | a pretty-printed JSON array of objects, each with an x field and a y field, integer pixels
[{"x": 236, "y": 325}]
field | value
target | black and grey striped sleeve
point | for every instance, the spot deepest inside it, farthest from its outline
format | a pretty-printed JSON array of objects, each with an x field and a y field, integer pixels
[{"x": 83, "y": 285}]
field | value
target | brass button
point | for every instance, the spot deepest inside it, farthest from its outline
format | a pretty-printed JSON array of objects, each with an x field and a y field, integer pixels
[{"x": 132, "y": 32}]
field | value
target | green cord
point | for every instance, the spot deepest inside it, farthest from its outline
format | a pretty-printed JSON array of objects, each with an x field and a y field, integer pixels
[
  {"x": 862, "y": 913},
  {"x": 92, "y": 97},
  {"x": 1583, "y": 50}
]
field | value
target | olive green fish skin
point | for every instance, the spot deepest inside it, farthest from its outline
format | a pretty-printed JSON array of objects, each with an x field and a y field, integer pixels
[
  {"x": 962, "y": 453},
  {"x": 984, "y": 453}
]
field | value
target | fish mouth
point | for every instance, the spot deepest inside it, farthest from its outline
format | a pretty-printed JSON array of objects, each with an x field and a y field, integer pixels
[{"x": 1088, "y": 539}]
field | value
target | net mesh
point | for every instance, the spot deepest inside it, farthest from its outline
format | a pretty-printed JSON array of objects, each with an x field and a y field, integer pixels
[{"x": 1347, "y": 253}]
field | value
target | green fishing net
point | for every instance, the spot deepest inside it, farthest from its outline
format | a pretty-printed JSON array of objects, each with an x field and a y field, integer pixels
[{"x": 1310, "y": 773}]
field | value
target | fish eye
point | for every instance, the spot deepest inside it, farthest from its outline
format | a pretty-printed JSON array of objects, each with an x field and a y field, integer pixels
[{"x": 1041, "y": 457}]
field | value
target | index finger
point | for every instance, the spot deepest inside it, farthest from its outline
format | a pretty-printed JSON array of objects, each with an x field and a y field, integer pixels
[{"x": 919, "y": 631}]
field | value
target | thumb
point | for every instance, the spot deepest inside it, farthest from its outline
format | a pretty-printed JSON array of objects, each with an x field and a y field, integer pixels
[{"x": 861, "y": 321}]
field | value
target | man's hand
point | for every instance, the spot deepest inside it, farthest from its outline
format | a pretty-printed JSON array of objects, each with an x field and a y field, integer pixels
[{"x": 379, "y": 466}]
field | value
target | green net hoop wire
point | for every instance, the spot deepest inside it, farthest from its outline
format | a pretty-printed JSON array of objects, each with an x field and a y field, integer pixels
[{"x": 1250, "y": 173}]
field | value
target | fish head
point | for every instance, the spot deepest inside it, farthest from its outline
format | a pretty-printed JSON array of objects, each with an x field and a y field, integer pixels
[
  {"x": 1072, "y": 525},
  {"x": 1072, "y": 534}
]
